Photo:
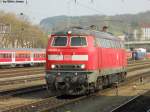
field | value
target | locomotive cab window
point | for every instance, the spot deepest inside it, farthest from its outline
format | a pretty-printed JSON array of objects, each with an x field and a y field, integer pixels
[
  {"x": 78, "y": 41},
  {"x": 59, "y": 41}
]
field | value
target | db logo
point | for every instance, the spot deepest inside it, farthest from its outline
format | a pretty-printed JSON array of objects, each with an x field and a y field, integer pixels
[{"x": 67, "y": 57}]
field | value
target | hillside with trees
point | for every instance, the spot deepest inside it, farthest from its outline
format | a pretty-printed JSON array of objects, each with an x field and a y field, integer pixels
[
  {"x": 118, "y": 24},
  {"x": 23, "y": 34}
]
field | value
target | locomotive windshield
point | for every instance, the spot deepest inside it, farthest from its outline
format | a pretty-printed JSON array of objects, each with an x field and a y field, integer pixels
[
  {"x": 78, "y": 41},
  {"x": 59, "y": 41}
]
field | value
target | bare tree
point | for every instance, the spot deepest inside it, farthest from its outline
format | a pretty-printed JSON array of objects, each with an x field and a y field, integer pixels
[{"x": 23, "y": 34}]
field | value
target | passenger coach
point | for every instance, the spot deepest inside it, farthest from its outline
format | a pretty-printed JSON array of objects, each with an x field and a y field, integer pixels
[
  {"x": 24, "y": 56},
  {"x": 79, "y": 61}
]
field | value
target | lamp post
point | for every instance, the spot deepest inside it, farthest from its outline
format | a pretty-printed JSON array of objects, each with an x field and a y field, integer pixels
[
  {"x": 22, "y": 29},
  {"x": 128, "y": 26}
]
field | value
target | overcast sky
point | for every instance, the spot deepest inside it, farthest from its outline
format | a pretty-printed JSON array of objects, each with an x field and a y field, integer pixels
[{"x": 39, "y": 9}]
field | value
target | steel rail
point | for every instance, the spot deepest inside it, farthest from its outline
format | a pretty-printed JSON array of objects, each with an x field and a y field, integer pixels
[
  {"x": 20, "y": 69},
  {"x": 22, "y": 73},
  {"x": 24, "y": 90},
  {"x": 121, "y": 107}
]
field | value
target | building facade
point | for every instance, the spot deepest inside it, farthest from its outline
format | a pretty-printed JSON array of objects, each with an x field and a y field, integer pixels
[{"x": 145, "y": 32}]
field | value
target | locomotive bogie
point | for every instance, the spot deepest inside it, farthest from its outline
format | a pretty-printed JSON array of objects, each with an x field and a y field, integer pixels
[{"x": 67, "y": 82}]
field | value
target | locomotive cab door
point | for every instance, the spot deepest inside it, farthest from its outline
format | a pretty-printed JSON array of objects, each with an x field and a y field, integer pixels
[{"x": 13, "y": 59}]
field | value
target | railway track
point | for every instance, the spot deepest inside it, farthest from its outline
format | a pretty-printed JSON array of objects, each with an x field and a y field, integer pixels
[
  {"x": 18, "y": 73},
  {"x": 21, "y": 72},
  {"x": 12, "y": 92},
  {"x": 21, "y": 75},
  {"x": 20, "y": 68},
  {"x": 53, "y": 103},
  {"x": 63, "y": 107},
  {"x": 26, "y": 78},
  {"x": 21, "y": 79},
  {"x": 40, "y": 70},
  {"x": 137, "y": 61},
  {"x": 33, "y": 75},
  {"x": 139, "y": 66},
  {"x": 140, "y": 103},
  {"x": 13, "y": 72}
]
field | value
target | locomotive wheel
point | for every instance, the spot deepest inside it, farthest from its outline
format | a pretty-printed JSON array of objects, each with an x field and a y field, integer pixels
[
  {"x": 119, "y": 77},
  {"x": 99, "y": 84},
  {"x": 91, "y": 88},
  {"x": 105, "y": 81},
  {"x": 123, "y": 75}
]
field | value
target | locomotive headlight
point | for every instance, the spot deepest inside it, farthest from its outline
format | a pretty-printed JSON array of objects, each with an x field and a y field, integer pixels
[
  {"x": 53, "y": 66},
  {"x": 69, "y": 32},
  {"x": 82, "y": 66}
]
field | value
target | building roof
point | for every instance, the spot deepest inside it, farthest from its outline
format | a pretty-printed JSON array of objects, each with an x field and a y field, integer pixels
[{"x": 145, "y": 25}]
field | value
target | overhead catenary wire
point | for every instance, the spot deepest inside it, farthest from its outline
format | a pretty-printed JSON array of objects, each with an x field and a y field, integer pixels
[
  {"x": 69, "y": 13},
  {"x": 76, "y": 2},
  {"x": 89, "y": 8},
  {"x": 83, "y": 5},
  {"x": 92, "y": 9},
  {"x": 96, "y": 10}
]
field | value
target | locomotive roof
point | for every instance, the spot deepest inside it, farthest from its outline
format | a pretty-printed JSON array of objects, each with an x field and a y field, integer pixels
[{"x": 75, "y": 31}]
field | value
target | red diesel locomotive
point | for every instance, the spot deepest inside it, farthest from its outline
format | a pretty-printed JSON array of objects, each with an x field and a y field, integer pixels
[{"x": 80, "y": 61}]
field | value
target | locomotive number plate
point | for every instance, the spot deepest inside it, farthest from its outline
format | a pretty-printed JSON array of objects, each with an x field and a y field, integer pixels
[{"x": 67, "y": 57}]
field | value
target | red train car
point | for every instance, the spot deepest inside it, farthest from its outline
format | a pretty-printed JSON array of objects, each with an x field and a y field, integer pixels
[
  {"x": 148, "y": 55},
  {"x": 6, "y": 56},
  {"x": 14, "y": 57},
  {"x": 79, "y": 61}
]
